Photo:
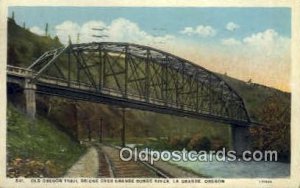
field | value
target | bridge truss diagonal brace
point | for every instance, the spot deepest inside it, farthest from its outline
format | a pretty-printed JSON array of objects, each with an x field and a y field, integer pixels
[
  {"x": 45, "y": 67},
  {"x": 160, "y": 77}
]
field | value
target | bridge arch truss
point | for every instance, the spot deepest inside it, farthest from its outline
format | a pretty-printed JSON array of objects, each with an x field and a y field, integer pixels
[{"x": 142, "y": 74}]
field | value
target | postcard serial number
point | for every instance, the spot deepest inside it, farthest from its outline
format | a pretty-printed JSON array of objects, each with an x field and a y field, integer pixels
[{"x": 265, "y": 181}]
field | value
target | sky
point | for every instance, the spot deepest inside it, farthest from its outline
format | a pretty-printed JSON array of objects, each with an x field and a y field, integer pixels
[{"x": 245, "y": 43}]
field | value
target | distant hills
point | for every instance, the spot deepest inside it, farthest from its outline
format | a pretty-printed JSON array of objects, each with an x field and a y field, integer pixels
[{"x": 255, "y": 95}]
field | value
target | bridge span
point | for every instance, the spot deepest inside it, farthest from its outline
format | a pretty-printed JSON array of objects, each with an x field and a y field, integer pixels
[{"x": 134, "y": 76}]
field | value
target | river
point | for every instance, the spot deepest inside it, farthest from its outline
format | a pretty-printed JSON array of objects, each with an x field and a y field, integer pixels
[{"x": 238, "y": 169}]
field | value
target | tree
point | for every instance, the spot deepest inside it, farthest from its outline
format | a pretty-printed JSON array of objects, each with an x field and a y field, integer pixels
[
  {"x": 275, "y": 134},
  {"x": 13, "y": 16},
  {"x": 78, "y": 38},
  {"x": 56, "y": 39},
  {"x": 70, "y": 40},
  {"x": 46, "y": 30}
]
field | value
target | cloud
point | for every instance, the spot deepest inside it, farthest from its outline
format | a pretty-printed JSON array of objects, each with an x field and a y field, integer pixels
[
  {"x": 266, "y": 38},
  {"x": 87, "y": 31},
  {"x": 230, "y": 42},
  {"x": 124, "y": 30},
  {"x": 188, "y": 31},
  {"x": 200, "y": 30},
  {"x": 67, "y": 29},
  {"x": 262, "y": 56},
  {"x": 232, "y": 26},
  {"x": 268, "y": 42},
  {"x": 251, "y": 56},
  {"x": 119, "y": 30},
  {"x": 37, "y": 30}
]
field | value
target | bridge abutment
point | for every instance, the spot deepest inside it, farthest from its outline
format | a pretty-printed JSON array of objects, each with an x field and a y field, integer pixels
[
  {"x": 241, "y": 140},
  {"x": 29, "y": 94}
]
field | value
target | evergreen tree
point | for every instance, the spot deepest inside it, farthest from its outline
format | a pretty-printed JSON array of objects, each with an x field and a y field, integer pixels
[
  {"x": 78, "y": 38},
  {"x": 46, "y": 30}
]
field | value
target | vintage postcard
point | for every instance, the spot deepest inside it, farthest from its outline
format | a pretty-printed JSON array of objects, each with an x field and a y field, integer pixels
[{"x": 170, "y": 93}]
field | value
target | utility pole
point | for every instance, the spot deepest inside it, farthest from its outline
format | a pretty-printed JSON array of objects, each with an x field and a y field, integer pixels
[
  {"x": 101, "y": 36},
  {"x": 89, "y": 131},
  {"x": 13, "y": 15},
  {"x": 101, "y": 130},
  {"x": 124, "y": 127}
]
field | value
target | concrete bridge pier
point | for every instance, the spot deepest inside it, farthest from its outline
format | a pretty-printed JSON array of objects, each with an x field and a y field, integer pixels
[
  {"x": 30, "y": 102},
  {"x": 241, "y": 140}
]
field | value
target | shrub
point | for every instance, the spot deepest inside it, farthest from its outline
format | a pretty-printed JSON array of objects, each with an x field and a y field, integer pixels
[
  {"x": 217, "y": 143},
  {"x": 174, "y": 142},
  {"x": 178, "y": 143},
  {"x": 199, "y": 142}
]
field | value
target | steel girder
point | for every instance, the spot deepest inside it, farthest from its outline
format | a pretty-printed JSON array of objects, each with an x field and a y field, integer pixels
[{"x": 144, "y": 74}]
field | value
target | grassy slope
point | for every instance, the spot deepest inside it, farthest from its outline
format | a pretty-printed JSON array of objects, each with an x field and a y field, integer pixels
[
  {"x": 38, "y": 141},
  {"x": 34, "y": 148},
  {"x": 254, "y": 95}
]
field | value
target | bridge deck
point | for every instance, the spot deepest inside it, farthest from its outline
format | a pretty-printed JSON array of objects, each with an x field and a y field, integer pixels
[{"x": 74, "y": 90}]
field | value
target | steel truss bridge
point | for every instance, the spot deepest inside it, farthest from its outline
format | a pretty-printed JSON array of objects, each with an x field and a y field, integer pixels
[{"x": 135, "y": 76}]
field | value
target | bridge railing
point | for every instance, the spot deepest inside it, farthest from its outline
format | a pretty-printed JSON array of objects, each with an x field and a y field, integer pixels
[
  {"x": 111, "y": 92},
  {"x": 87, "y": 87},
  {"x": 19, "y": 71},
  {"x": 114, "y": 92}
]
